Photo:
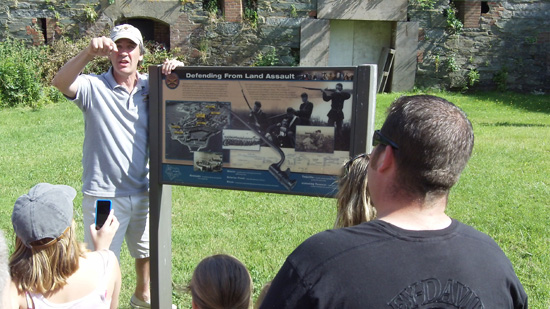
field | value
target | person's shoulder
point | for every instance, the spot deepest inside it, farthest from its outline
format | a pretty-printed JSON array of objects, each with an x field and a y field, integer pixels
[
  {"x": 143, "y": 76},
  {"x": 91, "y": 77},
  {"x": 337, "y": 240},
  {"x": 470, "y": 230},
  {"x": 101, "y": 256},
  {"x": 95, "y": 75},
  {"x": 98, "y": 81},
  {"x": 476, "y": 237},
  {"x": 330, "y": 245}
]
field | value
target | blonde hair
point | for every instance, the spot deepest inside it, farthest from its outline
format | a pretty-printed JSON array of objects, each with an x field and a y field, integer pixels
[
  {"x": 221, "y": 281},
  {"x": 353, "y": 199},
  {"x": 45, "y": 269}
]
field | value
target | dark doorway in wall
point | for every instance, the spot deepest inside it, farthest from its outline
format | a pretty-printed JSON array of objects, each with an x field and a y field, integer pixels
[
  {"x": 154, "y": 32},
  {"x": 484, "y": 7}
]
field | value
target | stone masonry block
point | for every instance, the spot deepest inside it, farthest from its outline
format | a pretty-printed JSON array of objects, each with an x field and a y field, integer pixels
[
  {"x": 383, "y": 10},
  {"x": 314, "y": 46}
]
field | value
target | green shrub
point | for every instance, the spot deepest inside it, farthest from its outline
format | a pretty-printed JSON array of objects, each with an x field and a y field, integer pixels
[
  {"x": 59, "y": 52},
  {"x": 251, "y": 12},
  {"x": 20, "y": 74},
  {"x": 423, "y": 4},
  {"x": 212, "y": 7},
  {"x": 452, "y": 65},
  {"x": 268, "y": 59},
  {"x": 26, "y": 71},
  {"x": 54, "y": 95},
  {"x": 156, "y": 54},
  {"x": 501, "y": 79},
  {"x": 62, "y": 50},
  {"x": 473, "y": 76},
  {"x": 454, "y": 25}
]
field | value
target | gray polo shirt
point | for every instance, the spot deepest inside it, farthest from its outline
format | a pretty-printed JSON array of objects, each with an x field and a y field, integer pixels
[{"x": 115, "y": 152}]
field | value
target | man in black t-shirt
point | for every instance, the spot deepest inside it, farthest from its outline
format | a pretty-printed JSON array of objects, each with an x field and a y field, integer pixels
[{"x": 413, "y": 255}]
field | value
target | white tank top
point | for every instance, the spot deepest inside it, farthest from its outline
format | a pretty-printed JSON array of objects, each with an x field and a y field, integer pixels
[{"x": 97, "y": 299}]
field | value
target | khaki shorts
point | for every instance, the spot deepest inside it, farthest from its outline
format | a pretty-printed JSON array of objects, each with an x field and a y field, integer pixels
[{"x": 133, "y": 214}]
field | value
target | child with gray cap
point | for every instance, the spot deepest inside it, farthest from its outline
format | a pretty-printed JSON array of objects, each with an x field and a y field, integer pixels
[{"x": 49, "y": 267}]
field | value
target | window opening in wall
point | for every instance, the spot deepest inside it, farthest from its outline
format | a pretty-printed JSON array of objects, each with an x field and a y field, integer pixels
[
  {"x": 43, "y": 23},
  {"x": 213, "y": 7},
  {"x": 484, "y": 7}
]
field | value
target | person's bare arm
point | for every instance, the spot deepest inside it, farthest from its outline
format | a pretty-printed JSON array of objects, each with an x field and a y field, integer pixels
[
  {"x": 65, "y": 79},
  {"x": 116, "y": 285},
  {"x": 17, "y": 299}
]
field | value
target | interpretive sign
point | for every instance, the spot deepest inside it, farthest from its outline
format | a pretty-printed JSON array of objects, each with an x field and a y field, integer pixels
[{"x": 269, "y": 129}]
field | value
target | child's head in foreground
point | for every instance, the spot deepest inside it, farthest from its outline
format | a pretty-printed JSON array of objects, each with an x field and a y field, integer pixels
[{"x": 221, "y": 281}]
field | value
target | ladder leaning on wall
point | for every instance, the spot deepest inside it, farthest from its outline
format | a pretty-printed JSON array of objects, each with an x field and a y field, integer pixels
[{"x": 384, "y": 67}]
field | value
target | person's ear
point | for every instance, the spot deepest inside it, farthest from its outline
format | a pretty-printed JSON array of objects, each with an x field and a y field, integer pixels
[
  {"x": 386, "y": 159},
  {"x": 193, "y": 305}
]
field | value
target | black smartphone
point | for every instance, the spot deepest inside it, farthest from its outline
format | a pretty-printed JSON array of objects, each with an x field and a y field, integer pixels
[{"x": 102, "y": 210}]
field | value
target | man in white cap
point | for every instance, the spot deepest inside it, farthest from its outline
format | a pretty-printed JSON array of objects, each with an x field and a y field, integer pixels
[{"x": 115, "y": 152}]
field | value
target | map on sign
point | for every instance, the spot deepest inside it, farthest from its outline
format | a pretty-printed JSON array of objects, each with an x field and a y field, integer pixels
[{"x": 197, "y": 122}]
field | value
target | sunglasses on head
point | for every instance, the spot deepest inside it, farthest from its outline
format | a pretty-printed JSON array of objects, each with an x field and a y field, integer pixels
[{"x": 378, "y": 138}]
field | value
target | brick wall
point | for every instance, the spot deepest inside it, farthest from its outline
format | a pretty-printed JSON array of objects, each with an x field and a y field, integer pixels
[
  {"x": 233, "y": 10},
  {"x": 180, "y": 33},
  {"x": 469, "y": 13}
]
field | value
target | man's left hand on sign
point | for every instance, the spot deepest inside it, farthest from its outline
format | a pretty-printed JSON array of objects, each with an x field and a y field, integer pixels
[{"x": 169, "y": 65}]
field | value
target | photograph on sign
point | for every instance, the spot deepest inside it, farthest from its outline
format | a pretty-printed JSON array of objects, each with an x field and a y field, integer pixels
[{"x": 286, "y": 130}]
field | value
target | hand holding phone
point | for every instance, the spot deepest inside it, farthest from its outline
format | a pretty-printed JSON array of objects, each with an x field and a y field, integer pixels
[
  {"x": 102, "y": 237},
  {"x": 102, "y": 210}
]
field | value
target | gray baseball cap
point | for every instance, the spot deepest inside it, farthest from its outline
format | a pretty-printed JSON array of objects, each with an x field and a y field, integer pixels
[
  {"x": 43, "y": 213},
  {"x": 126, "y": 31}
]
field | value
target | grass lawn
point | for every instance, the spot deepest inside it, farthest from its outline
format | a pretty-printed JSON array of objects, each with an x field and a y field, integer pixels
[{"x": 504, "y": 192}]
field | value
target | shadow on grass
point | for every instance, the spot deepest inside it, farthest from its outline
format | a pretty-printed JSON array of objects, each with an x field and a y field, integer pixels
[
  {"x": 509, "y": 124},
  {"x": 529, "y": 102}
]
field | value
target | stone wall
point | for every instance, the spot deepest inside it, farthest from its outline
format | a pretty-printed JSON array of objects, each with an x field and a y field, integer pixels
[
  {"x": 508, "y": 46},
  {"x": 505, "y": 47},
  {"x": 213, "y": 41}
]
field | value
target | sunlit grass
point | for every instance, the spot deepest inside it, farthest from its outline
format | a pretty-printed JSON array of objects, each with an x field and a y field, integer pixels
[{"x": 504, "y": 192}]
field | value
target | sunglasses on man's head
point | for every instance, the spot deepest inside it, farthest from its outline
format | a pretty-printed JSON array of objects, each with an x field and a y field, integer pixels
[{"x": 379, "y": 138}]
